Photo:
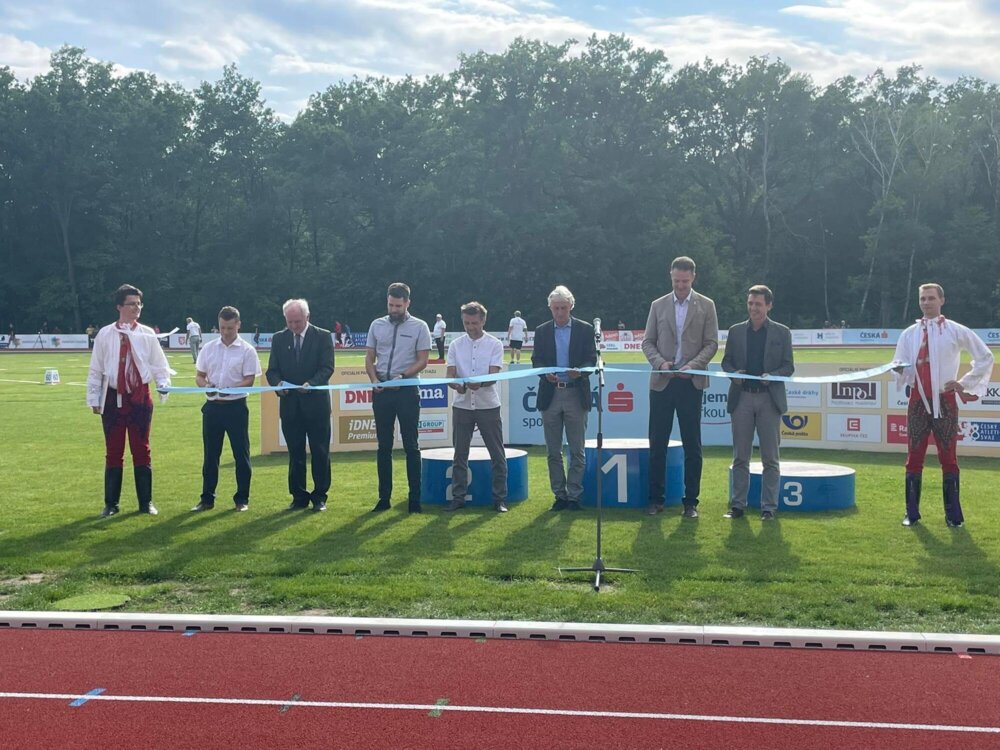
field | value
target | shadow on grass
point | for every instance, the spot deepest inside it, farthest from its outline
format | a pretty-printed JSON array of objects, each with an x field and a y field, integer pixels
[
  {"x": 764, "y": 554},
  {"x": 537, "y": 543},
  {"x": 959, "y": 558},
  {"x": 672, "y": 556}
]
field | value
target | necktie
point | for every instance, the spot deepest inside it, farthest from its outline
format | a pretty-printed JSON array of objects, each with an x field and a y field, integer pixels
[{"x": 298, "y": 346}]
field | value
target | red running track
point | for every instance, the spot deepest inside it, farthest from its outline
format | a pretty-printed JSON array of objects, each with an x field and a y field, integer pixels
[{"x": 290, "y": 691}]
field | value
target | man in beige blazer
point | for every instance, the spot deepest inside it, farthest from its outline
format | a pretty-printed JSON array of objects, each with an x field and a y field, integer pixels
[{"x": 693, "y": 315}]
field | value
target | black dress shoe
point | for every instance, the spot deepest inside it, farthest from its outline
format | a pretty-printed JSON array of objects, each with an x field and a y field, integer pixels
[
  {"x": 560, "y": 505},
  {"x": 573, "y": 505},
  {"x": 149, "y": 510},
  {"x": 907, "y": 521},
  {"x": 296, "y": 506},
  {"x": 381, "y": 505},
  {"x": 319, "y": 507},
  {"x": 500, "y": 507},
  {"x": 242, "y": 508},
  {"x": 690, "y": 512},
  {"x": 109, "y": 510},
  {"x": 414, "y": 506},
  {"x": 454, "y": 505},
  {"x": 953, "y": 524},
  {"x": 734, "y": 513},
  {"x": 767, "y": 515},
  {"x": 202, "y": 506},
  {"x": 653, "y": 508}
]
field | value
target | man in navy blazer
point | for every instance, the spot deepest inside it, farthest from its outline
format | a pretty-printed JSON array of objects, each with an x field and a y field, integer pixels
[
  {"x": 303, "y": 354},
  {"x": 564, "y": 398}
]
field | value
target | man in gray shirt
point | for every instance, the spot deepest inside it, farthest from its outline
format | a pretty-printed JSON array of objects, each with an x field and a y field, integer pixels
[{"x": 398, "y": 347}]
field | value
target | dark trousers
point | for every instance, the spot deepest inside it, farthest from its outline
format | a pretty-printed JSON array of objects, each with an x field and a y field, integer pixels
[
  {"x": 390, "y": 405},
  {"x": 297, "y": 427},
  {"x": 682, "y": 397},
  {"x": 439, "y": 343},
  {"x": 219, "y": 419}
]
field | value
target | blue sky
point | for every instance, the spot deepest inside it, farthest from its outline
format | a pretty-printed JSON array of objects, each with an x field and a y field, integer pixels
[{"x": 298, "y": 47}]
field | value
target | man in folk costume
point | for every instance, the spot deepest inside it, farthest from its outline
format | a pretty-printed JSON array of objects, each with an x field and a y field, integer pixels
[
  {"x": 931, "y": 349},
  {"x": 127, "y": 357}
]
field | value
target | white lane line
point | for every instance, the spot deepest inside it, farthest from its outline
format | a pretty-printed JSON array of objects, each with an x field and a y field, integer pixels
[
  {"x": 29, "y": 382},
  {"x": 507, "y": 710}
]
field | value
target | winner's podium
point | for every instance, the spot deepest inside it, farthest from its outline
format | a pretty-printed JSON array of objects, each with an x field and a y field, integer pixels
[
  {"x": 805, "y": 486},
  {"x": 435, "y": 476},
  {"x": 625, "y": 463}
]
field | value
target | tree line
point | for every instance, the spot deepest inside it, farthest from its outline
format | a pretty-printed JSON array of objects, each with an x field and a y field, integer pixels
[{"x": 590, "y": 165}]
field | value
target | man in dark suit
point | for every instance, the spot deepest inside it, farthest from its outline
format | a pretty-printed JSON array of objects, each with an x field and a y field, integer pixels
[
  {"x": 564, "y": 398},
  {"x": 303, "y": 354},
  {"x": 757, "y": 346}
]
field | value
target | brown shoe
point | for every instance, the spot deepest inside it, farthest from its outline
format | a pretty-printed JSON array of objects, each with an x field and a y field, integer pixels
[{"x": 653, "y": 508}]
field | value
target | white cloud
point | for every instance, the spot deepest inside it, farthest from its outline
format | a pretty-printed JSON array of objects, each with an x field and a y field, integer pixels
[
  {"x": 689, "y": 39},
  {"x": 197, "y": 53},
  {"x": 941, "y": 35},
  {"x": 26, "y": 59}
]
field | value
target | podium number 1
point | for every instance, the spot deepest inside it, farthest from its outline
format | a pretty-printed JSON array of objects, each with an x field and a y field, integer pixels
[{"x": 619, "y": 462}]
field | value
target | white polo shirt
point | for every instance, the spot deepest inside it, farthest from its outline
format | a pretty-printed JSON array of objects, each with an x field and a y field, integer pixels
[
  {"x": 475, "y": 357},
  {"x": 226, "y": 366}
]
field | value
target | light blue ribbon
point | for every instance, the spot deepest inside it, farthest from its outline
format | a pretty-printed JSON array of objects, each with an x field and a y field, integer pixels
[{"x": 535, "y": 372}]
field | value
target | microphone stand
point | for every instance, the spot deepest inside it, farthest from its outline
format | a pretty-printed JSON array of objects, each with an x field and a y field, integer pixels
[{"x": 599, "y": 568}]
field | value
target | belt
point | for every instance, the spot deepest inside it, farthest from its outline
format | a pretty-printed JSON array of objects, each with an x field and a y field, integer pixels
[
  {"x": 567, "y": 383},
  {"x": 751, "y": 387}
]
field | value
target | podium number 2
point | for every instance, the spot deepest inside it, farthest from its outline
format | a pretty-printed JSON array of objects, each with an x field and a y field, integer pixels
[
  {"x": 794, "y": 493},
  {"x": 619, "y": 462}
]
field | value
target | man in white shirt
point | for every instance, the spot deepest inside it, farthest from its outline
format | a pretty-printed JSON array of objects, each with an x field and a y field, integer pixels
[
  {"x": 515, "y": 335},
  {"x": 226, "y": 362},
  {"x": 127, "y": 357},
  {"x": 194, "y": 339},
  {"x": 477, "y": 405},
  {"x": 438, "y": 334},
  {"x": 932, "y": 349}
]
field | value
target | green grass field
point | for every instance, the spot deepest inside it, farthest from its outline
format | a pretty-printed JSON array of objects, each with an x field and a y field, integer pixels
[{"x": 856, "y": 569}]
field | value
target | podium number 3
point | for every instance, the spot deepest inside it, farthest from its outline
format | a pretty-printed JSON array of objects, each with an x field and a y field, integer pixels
[
  {"x": 793, "y": 494},
  {"x": 619, "y": 462}
]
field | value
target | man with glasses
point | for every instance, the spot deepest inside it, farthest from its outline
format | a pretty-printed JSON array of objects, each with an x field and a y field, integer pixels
[{"x": 127, "y": 357}]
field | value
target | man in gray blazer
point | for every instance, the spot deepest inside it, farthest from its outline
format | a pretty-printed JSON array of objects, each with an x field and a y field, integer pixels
[
  {"x": 757, "y": 346},
  {"x": 682, "y": 333}
]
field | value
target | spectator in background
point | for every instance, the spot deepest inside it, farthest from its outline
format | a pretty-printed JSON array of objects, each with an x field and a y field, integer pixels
[
  {"x": 194, "y": 339},
  {"x": 515, "y": 336},
  {"x": 439, "y": 330}
]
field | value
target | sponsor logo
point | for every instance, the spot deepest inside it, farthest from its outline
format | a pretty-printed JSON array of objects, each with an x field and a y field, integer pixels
[
  {"x": 895, "y": 429},
  {"x": 433, "y": 426},
  {"x": 620, "y": 400},
  {"x": 433, "y": 396},
  {"x": 803, "y": 395},
  {"x": 358, "y": 400},
  {"x": 357, "y": 429},
  {"x": 864, "y": 393},
  {"x": 979, "y": 430},
  {"x": 853, "y": 428},
  {"x": 991, "y": 399},
  {"x": 802, "y": 426},
  {"x": 714, "y": 407},
  {"x": 870, "y": 335}
]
